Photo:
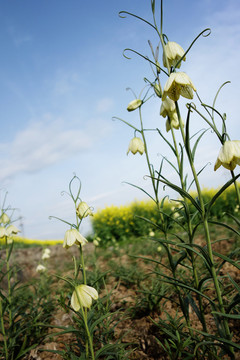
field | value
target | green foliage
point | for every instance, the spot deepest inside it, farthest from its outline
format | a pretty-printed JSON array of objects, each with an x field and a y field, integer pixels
[
  {"x": 25, "y": 311},
  {"x": 141, "y": 218}
]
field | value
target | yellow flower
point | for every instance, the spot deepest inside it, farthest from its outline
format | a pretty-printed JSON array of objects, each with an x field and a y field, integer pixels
[
  {"x": 4, "y": 219},
  {"x": 168, "y": 109},
  {"x": 133, "y": 105},
  {"x": 136, "y": 145},
  {"x": 83, "y": 294},
  {"x": 229, "y": 155},
  {"x": 83, "y": 210},
  {"x": 72, "y": 237},
  {"x": 178, "y": 84},
  {"x": 12, "y": 230},
  {"x": 173, "y": 52}
]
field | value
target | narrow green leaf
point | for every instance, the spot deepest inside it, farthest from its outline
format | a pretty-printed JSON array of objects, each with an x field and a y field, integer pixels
[
  {"x": 234, "y": 283},
  {"x": 234, "y": 218},
  {"x": 138, "y": 187},
  {"x": 197, "y": 142},
  {"x": 228, "y": 316},
  {"x": 169, "y": 144},
  {"x": 10, "y": 250},
  {"x": 224, "y": 225},
  {"x": 178, "y": 283},
  {"x": 216, "y": 196},
  {"x": 182, "y": 192},
  {"x": 226, "y": 258},
  {"x": 187, "y": 137}
]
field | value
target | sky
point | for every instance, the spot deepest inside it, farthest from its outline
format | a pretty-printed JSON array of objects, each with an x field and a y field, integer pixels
[{"x": 64, "y": 78}]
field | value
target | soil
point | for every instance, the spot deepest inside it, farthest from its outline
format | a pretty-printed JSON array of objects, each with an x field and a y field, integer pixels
[{"x": 139, "y": 330}]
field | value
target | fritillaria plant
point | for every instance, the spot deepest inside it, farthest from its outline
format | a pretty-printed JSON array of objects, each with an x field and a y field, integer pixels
[
  {"x": 184, "y": 251},
  {"x": 82, "y": 294}
]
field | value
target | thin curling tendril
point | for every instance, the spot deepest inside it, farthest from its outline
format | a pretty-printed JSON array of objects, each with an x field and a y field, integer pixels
[
  {"x": 136, "y": 16},
  {"x": 206, "y": 32},
  {"x": 144, "y": 57}
]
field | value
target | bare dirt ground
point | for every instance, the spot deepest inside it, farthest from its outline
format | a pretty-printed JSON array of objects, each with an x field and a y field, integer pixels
[{"x": 140, "y": 331}]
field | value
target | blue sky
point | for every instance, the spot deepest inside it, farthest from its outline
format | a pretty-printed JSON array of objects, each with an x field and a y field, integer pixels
[{"x": 63, "y": 78}]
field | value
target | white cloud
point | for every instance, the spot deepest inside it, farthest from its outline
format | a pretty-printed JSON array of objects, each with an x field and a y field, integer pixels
[
  {"x": 41, "y": 144},
  {"x": 65, "y": 82},
  {"x": 104, "y": 105},
  {"x": 17, "y": 37}
]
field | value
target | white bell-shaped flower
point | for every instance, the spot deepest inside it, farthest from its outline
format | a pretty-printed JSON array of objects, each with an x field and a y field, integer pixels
[
  {"x": 173, "y": 52},
  {"x": 72, "y": 237},
  {"x": 178, "y": 84},
  {"x": 136, "y": 145},
  {"x": 83, "y": 296},
  {"x": 229, "y": 155},
  {"x": 83, "y": 210}
]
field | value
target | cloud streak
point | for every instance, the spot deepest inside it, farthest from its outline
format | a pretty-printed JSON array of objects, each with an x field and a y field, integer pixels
[{"x": 39, "y": 145}]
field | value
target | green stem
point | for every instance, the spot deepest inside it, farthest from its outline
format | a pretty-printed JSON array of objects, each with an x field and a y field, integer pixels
[
  {"x": 89, "y": 341},
  {"x": 3, "y": 330},
  {"x": 83, "y": 266},
  {"x": 9, "y": 283},
  {"x": 207, "y": 233},
  {"x": 195, "y": 275},
  {"x": 236, "y": 188}
]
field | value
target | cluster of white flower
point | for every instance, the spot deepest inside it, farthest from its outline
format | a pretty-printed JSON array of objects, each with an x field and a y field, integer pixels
[
  {"x": 7, "y": 230},
  {"x": 180, "y": 84},
  {"x": 83, "y": 294},
  {"x": 45, "y": 255}
]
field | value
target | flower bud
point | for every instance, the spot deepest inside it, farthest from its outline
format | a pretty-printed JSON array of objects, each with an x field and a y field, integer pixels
[
  {"x": 133, "y": 105},
  {"x": 83, "y": 210},
  {"x": 173, "y": 52},
  {"x": 4, "y": 219},
  {"x": 136, "y": 145},
  {"x": 158, "y": 67},
  {"x": 158, "y": 90},
  {"x": 168, "y": 109},
  {"x": 229, "y": 155}
]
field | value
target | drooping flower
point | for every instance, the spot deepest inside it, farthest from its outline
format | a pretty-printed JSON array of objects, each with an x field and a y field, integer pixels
[
  {"x": 136, "y": 145},
  {"x": 168, "y": 109},
  {"x": 229, "y": 155},
  {"x": 46, "y": 254},
  {"x": 134, "y": 104},
  {"x": 41, "y": 268},
  {"x": 2, "y": 232},
  {"x": 4, "y": 219},
  {"x": 95, "y": 242},
  {"x": 72, "y": 237},
  {"x": 173, "y": 52},
  {"x": 178, "y": 84},
  {"x": 12, "y": 230},
  {"x": 83, "y": 294},
  {"x": 83, "y": 210}
]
